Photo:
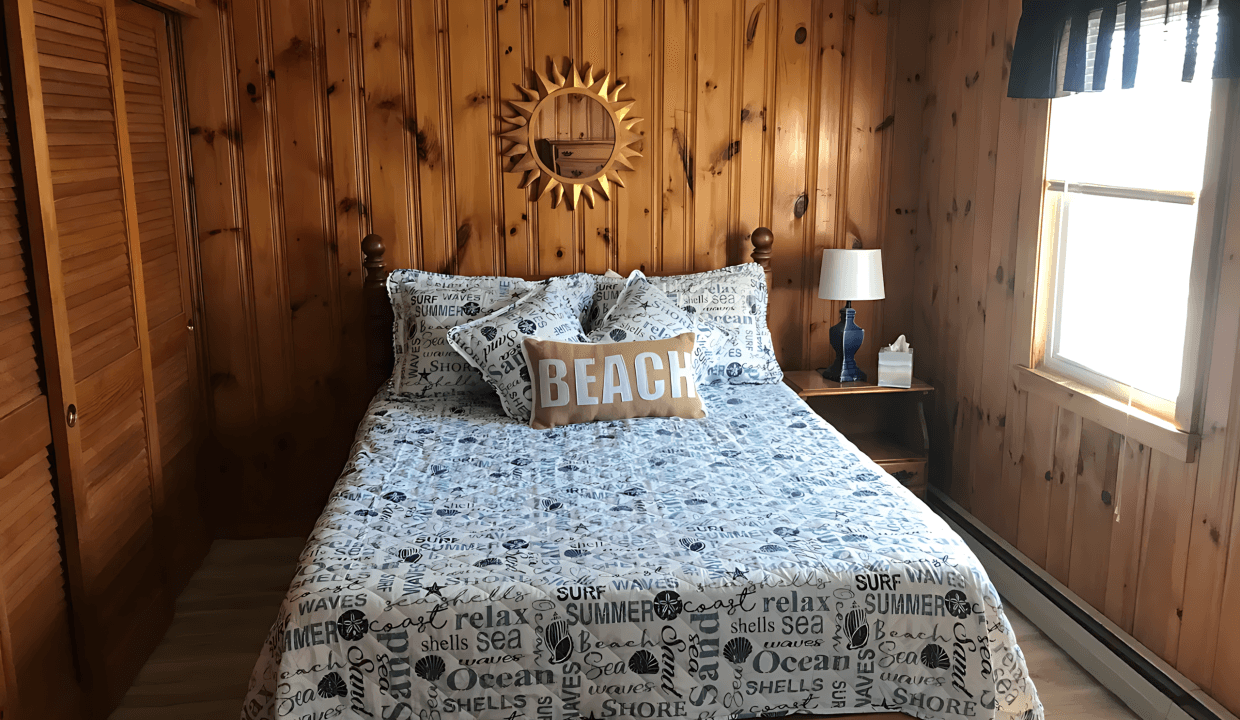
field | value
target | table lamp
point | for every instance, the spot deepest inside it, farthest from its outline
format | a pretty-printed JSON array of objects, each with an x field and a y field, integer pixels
[{"x": 849, "y": 275}]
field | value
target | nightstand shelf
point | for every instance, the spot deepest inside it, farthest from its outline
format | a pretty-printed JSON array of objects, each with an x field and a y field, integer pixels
[
  {"x": 811, "y": 383},
  {"x": 887, "y": 424},
  {"x": 884, "y": 447}
]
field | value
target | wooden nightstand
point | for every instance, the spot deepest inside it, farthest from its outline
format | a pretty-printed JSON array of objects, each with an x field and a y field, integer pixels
[{"x": 886, "y": 423}]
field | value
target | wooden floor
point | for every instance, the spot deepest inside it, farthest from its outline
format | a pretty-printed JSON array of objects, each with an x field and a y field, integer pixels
[{"x": 201, "y": 670}]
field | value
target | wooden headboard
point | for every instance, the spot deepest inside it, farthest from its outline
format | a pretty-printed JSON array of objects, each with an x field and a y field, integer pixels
[{"x": 379, "y": 309}]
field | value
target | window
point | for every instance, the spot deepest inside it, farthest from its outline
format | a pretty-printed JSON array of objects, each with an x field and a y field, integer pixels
[{"x": 1125, "y": 169}]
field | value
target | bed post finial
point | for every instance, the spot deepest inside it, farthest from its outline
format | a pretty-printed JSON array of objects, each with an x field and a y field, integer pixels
[
  {"x": 763, "y": 239},
  {"x": 378, "y": 313},
  {"x": 372, "y": 248}
]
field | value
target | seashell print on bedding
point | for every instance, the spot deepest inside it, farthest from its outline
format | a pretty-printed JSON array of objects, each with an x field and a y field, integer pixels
[{"x": 747, "y": 564}]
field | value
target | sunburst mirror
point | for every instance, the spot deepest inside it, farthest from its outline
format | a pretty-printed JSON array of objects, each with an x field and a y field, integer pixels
[{"x": 572, "y": 136}]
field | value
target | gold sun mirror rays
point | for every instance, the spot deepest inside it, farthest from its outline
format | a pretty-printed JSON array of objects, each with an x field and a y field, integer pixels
[{"x": 572, "y": 136}]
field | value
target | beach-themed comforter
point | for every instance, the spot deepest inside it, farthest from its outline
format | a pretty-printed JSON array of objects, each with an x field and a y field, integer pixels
[{"x": 749, "y": 564}]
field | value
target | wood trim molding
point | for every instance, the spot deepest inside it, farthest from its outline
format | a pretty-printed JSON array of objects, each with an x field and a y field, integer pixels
[
  {"x": 1204, "y": 300},
  {"x": 1029, "y": 253},
  {"x": 1219, "y": 370},
  {"x": 187, "y": 216},
  {"x": 180, "y": 7},
  {"x": 1108, "y": 412},
  {"x": 8, "y": 669}
]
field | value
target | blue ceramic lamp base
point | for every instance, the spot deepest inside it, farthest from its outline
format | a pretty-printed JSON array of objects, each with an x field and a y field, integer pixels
[{"x": 846, "y": 339}]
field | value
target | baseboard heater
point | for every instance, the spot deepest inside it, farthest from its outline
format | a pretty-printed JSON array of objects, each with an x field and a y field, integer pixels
[{"x": 1150, "y": 687}]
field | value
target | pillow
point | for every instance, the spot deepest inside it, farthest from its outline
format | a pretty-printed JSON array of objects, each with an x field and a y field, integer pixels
[
  {"x": 607, "y": 289},
  {"x": 734, "y": 298},
  {"x": 643, "y": 312},
  {"x": 578, "y": 291},
  {"x": 493, "y": 343},
  {"x": 425, "y": 306},
  {"x": 586, "y": 382}
]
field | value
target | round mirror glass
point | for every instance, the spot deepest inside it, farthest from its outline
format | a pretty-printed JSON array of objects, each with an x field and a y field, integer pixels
[{"x": 572, "y": 135}]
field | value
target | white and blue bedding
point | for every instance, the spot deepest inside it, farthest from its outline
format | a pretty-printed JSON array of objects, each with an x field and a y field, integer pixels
[{"x": 749, "y": 564}]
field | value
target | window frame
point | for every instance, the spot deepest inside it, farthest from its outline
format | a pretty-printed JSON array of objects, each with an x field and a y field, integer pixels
[
  {"x": 1059, "y": 196},
  {"x": 1185, "y": 412}
]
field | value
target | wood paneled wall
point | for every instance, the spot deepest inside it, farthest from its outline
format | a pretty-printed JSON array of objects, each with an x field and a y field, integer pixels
[
  {"x": 1151, "y": 541},
  {"x": 315, "y": 122}
]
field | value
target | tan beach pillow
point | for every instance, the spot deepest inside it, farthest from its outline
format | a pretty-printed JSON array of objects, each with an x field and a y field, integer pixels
[{"x": 586, "y": 382}]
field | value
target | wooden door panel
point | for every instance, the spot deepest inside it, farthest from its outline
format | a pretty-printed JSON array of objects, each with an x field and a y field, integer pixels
[
  {"x": 34, "y": 593},
  {"x": 36, "y": 646},
  {"x": 159, "y": 202},
  {"x": 101, "y": 381},
  {"x": 116, "y": 388}
]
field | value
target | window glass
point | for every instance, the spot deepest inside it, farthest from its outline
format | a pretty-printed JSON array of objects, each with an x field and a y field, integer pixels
[{"x": 1124, "y": 298}]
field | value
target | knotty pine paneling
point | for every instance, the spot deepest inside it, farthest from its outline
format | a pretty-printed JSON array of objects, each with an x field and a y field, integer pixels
[
  {"x": 315, "y": 122},
  {"x": 1150, "y": 541}
]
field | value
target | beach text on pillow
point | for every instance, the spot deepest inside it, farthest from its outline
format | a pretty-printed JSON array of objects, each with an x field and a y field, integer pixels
[{"x": 587, "y": 382}]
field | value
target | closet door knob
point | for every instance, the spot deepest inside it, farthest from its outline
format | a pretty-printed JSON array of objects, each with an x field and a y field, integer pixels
[
  {"x": 189, "y": 326},
  {"x": 71, "y": 415}
]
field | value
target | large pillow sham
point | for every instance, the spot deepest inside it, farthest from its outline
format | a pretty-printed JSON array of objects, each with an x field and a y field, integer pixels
[
  {"x": 643, "y": 312},
  {"x": 589, "y": 382},
  {"x": 735, "y": 299},
  {"x": 493, "y": 344},
  {"x": 425, "y": 306}
]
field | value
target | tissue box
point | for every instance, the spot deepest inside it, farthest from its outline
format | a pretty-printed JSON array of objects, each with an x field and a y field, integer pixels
[{"x": 895, "y": 369}]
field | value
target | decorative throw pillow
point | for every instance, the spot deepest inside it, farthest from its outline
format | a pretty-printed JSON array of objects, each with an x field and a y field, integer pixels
[
  {"x": 493, "y": 343},
  {"x": 643, "y": 312},
  {"x": 578, "y": 292},
  {"x": 426, "y": 305},
  {"x": 607, "y": 289},
  {"x": 585, "y": 382},
  {"x": 734, "y": 298}
]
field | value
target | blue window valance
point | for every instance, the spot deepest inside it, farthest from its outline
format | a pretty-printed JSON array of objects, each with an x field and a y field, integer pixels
[{"x": 1064, "y": 46}]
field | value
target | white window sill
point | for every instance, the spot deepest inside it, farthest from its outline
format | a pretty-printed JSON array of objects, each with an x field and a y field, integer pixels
[{"x": 1110, "y": 413}]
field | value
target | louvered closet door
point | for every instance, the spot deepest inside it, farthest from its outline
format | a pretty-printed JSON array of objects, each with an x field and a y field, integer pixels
[
  {"x": 165, "y": 270},
  {"x": 36, "y": 646},
  {"x": 100, "y": 380},
  {"x": 5, "y": 668}
]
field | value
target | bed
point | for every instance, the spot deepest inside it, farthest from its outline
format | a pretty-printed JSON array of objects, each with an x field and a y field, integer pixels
[{"x": 751, "y": 564}]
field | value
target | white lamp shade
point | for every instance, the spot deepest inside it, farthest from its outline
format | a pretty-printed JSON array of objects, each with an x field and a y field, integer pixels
[{"x": 851, "y": 275}]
